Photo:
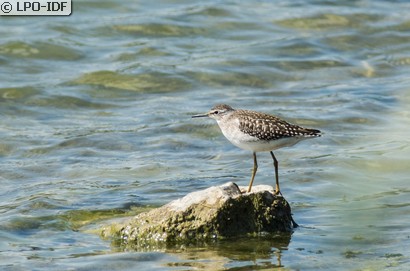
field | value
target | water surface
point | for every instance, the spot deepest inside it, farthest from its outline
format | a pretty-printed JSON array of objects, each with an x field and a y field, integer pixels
[{"x": 95, "y": 123}]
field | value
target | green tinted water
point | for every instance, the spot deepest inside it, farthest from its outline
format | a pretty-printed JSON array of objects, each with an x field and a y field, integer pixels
[{"x": 95, "y": 124}]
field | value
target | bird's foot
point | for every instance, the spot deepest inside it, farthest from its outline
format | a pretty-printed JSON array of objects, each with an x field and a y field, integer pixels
[
  {"x": 277, "y": 192},
  {"x": 244, "y": 191}
]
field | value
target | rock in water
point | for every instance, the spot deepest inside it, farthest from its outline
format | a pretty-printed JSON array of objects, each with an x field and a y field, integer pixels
[{"x": 213, "y": 213}]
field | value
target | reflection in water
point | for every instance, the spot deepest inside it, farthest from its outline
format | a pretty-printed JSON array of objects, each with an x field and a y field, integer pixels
[{"x": 240, "y": 254}]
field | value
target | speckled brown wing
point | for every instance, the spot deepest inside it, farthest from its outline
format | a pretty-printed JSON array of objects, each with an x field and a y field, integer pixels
[{"x": 268, "y": 127}]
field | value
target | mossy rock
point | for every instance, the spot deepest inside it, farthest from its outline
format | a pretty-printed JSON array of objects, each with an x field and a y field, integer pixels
[{"x": 215, "y": 213}]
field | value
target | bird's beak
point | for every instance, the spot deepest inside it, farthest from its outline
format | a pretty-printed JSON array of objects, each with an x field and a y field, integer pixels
[{"x": 201, "y": 115}]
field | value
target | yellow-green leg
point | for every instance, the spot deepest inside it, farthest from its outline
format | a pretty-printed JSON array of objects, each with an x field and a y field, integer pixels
[
  {"x": 276, "y": 164},
  {"x": 255, "y": 168}
]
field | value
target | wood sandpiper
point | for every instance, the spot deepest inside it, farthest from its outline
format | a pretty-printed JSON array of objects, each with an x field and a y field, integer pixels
[{"x": 258, "y": 132}]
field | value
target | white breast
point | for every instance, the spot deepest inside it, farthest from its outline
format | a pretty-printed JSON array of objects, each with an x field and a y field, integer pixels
[{"x": 230, "y": 130}]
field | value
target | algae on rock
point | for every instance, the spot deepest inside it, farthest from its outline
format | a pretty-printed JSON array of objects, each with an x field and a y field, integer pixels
[{"x": 214, "y": 213}]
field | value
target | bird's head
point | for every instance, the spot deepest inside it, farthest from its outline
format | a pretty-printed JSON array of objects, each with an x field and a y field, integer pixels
[{"x": 217, "y": 112}]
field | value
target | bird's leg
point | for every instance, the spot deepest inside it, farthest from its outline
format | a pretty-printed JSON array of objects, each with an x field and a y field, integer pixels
[
  {"x": 276, "y": 164},
  {"x": 255, "y": 168}
]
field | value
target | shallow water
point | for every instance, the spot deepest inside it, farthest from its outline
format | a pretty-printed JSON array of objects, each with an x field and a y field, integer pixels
[{"x": 95, "y": 123}]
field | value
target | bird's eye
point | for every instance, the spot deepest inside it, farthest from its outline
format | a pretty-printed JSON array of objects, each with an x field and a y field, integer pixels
[{"x": 216, "y": 112}]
